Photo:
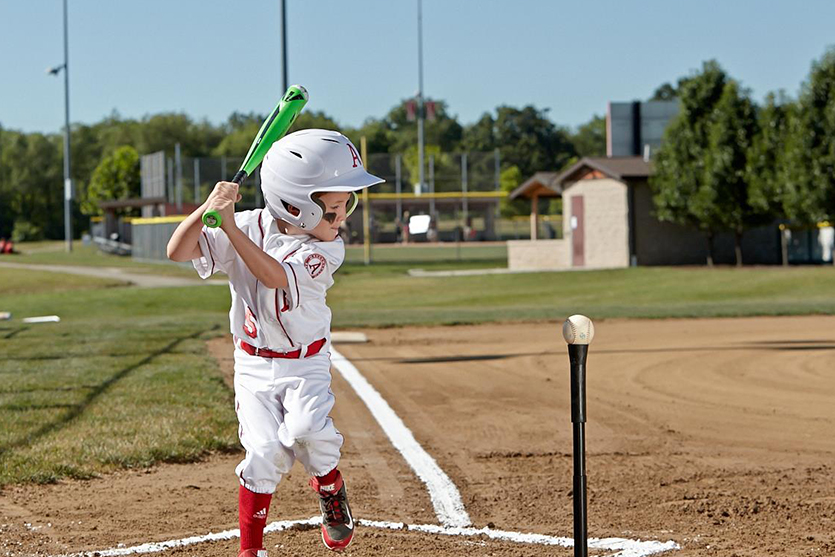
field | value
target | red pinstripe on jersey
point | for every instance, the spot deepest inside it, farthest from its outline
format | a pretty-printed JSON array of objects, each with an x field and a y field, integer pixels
[{"x": 209, "y": 245}]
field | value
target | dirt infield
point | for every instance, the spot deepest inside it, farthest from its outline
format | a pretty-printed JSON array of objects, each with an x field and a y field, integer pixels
[{"x": 717, "y": 434}]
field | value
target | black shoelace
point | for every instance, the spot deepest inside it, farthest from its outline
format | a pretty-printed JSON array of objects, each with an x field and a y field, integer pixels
[{"x": 333, "y": 509}]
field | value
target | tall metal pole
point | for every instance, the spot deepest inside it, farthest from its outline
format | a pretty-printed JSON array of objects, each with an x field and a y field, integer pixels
[
  {"x": 397, "y": 187},
  {"x": 464, "y": 186},
  {"x": 498, "y": 178},
  {"x": 420, "y": 95},
  {"x": 366, "y": 209},
  {"x": 196, "y": 181},
  {"x": 178, "y": 181},
  {"x": 284, "y": 84},
  {"x": 432, "y": 185},
  {"x": 67, "y": 179}
]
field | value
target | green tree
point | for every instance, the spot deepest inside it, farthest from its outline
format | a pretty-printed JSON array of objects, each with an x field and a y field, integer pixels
[
  {"x": 766, "y": 170},
  {"x": 509, "y": 179},
  {"x": 161, "y": 132},
  {"x": 680, "y": 161},
  {"x": 116, "y": 177},
  {"x": 722, "y": 200},
  {"x": 314, "y": 120},
  {"x": 810, "y": 148},
  {"x": 32, "y": 183},
  {"x": 443, "y": 164},
  {"x": 378, "y": 134},
  {"x": 665, "y": 92},
  {"x": 590, "y": 138},
  {"x": 525, "y": 137},
  {"x": 6, "y": 214},
  {"x": 243, "y": 128},
  {"x": 444, "y": 131}
]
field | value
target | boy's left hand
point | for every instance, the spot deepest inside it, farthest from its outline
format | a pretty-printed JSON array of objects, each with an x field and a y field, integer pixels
[{"x": 223, "y": 199}]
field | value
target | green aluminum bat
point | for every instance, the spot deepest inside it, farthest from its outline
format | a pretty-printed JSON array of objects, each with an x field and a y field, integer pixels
[{"x": 273, "y": 129}]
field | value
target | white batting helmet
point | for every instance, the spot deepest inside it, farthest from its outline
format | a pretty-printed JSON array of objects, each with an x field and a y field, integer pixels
[{"x": 307, "y": 162}]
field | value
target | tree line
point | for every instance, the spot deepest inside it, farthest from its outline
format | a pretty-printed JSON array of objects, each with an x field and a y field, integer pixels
[
  {"x": 105, "y": 155},
  {"x": 728, "y": 165}
]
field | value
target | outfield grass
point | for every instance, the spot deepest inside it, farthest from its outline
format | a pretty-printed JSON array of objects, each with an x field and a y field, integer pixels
[
  {"x": 18, "y": 282},
  {"x": 381, "y": 295},
  {"x": 46, "y": 253},
  {"x": 124, "y": 379},
  {"x": 463, "y": 255}
]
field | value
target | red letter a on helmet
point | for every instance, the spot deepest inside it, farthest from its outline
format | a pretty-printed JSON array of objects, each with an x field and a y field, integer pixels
[{"x": 355, "y": 156}]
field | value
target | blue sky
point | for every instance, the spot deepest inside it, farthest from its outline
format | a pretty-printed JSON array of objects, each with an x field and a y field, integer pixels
[{"x": 359, "y": 58}]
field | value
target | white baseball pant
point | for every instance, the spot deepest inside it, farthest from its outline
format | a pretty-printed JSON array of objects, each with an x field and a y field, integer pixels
[{"x": 283, "y": 408}]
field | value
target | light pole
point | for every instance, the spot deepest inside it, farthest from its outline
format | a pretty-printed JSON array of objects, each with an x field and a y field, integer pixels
[
  {"x": 284, "y": 84},
  {"x": 67, "y": 179},
  {"x": 420, "y": 95}
]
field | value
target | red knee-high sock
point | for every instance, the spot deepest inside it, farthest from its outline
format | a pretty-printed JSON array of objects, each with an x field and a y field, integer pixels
[
  {"x": 329, "y": 478},
  {"x": 252, "y": 517}
]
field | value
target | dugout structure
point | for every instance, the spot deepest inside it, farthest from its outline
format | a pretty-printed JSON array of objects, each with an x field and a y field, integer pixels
[{"x": 461, "y": 194}]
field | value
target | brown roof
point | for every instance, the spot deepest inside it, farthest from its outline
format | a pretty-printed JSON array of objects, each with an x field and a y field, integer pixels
[
  {"x": 541, "y": 184},
  {"x": 551, "y": 184},
  {"x": 620, "y": 168}
]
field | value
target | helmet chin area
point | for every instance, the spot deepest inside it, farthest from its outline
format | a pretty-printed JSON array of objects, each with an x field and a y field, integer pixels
[{"x": 352, "y": 204}]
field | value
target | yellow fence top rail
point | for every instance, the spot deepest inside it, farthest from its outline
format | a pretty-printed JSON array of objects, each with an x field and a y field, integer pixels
[
  {"x": 441, "y": 195},
  {"x": 173, "y": 219}
]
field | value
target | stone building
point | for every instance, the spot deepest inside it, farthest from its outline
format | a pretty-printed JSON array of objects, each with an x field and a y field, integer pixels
[{"x": 609, "y": 222}]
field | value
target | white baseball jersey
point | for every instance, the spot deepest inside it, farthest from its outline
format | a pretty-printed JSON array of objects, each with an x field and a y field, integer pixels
[
  {"x": 278, "y": 319},
  {"x": 283, "y": 405}
]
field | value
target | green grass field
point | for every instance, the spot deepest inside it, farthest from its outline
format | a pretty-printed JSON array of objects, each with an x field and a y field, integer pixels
[
  {"x": 124, "y": 379},
  {"x": 52, "y": 253},
  {"x": 381, "y": 295}
]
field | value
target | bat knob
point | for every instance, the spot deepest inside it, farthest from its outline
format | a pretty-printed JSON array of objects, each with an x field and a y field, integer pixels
[{"x": 211, "y": 219}]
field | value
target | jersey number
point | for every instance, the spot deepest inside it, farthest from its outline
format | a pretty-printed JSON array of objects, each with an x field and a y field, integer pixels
[{"x": 249, "y": 325}]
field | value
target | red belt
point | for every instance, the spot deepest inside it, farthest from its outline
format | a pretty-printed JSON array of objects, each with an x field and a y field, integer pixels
[{"x": 312, "y": 349}]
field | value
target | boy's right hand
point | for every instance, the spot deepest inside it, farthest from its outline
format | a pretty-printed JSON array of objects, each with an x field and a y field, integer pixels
[{"x": 223, "y": 199}]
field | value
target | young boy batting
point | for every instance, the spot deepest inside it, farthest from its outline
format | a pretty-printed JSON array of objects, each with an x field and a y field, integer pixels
[{"x": 280, "y": 261}]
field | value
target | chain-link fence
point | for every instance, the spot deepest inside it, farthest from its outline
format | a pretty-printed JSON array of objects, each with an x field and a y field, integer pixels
[
  {"x": 189, "y": 180},
  {"x": 443, "y": 172}
]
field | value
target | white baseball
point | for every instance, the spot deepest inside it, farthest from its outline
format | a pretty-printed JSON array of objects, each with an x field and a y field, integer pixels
[{"x": 578, "y": 329}]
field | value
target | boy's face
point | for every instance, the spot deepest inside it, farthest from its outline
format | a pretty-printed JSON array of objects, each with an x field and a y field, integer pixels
[{"x": 335, "y": 212}]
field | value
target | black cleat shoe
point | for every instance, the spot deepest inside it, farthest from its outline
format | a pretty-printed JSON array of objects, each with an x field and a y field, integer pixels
[{"x": 337, "y": 522}]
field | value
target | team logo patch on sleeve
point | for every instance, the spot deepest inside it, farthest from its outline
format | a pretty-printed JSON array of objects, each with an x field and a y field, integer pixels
[{"x": 314, "y": 264}]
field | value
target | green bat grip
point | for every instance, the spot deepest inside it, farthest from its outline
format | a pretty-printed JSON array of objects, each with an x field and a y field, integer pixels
[{"x": 273, "y": 129}]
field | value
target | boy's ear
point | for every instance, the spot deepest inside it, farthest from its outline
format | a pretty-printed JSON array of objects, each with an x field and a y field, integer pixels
[{"x": 292, "y": 210}]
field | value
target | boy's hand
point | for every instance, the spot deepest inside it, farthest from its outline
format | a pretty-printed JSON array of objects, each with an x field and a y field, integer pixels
[{"x": 223, "y": 199}]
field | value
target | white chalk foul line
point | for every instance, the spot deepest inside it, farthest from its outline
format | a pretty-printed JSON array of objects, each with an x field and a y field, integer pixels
[
  {"x": 624, "y": 548},
  {"x": 444, "y": 495}
]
